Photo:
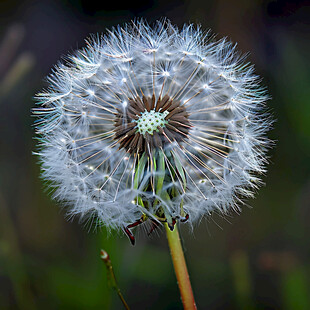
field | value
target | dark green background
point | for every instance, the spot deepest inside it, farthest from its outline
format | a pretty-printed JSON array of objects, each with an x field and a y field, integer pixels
[{"x": 258, "y": 260}]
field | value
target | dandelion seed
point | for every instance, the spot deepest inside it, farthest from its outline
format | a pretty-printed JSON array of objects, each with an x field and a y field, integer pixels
[{"x": 155, "y": 123}]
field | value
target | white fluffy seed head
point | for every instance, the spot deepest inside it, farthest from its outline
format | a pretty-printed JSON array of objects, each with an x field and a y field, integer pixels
[{"x": 105, "y": 157}]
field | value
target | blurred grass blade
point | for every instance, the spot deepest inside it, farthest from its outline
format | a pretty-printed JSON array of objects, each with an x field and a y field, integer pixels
[
  {"x": 17, "y": 72},
  {"x": 111, "y": 276},
  {"x": 295, "y": 285},
  {"x": 242, "y": 280},
  {"x": 12, "y": 258},
  {"x": 9, "y": 45}
]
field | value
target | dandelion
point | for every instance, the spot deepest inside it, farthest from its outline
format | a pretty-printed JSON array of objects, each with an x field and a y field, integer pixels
[{"x": 152, "y": 123}]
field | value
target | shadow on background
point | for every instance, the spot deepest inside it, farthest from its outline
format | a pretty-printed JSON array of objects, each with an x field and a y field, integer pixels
[{"x": 259, "y": 260}]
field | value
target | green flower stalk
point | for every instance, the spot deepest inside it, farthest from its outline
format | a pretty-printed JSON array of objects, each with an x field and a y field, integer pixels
[{"x": 180, "y": 268}]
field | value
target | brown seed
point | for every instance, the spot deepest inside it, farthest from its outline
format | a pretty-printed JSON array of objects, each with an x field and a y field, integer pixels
[
  {"x": 178, "y": 124},
  {"x": 137, "y": 103},
  {"x": 157, "y": 140},
  {"x": 133, "y": 143},
  {"x": 153, "y": 102},
  {"x": 146, "y": 103},
  {"x": 174, "y": 105},
  {"x": 166, "y": 105},
  {"x": 180, "y": 118},
  {"x": 140, "y": 142},
  {"x": 161, "y": 102}
]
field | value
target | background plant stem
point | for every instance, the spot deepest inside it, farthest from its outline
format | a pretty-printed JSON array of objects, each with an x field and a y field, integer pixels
[
  {"x": 180, "y": 268},
  {"x": 106, "y": 259}
]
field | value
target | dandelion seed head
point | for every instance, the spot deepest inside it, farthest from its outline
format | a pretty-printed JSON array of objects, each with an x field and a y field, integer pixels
[{"x": 152, "y": 121}]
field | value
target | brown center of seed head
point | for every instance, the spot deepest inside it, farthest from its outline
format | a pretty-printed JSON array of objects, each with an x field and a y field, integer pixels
[{"x": 172, "y": 118}]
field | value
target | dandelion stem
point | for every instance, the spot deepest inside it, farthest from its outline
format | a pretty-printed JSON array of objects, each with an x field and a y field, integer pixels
[
  {"x": 180, "y": 268},
  {"x": 111, "y": 276}
]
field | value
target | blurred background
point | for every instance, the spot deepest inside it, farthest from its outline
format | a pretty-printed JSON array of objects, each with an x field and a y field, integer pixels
[{"x": 258, "y": 260}]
